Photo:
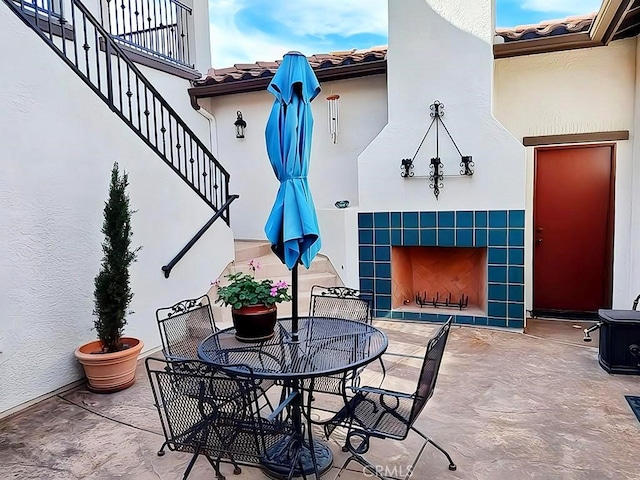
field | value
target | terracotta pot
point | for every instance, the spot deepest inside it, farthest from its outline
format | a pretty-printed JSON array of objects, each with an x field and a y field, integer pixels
[
  {"x": 254, "y": 323},
  {"x": 109, "y": 372}
]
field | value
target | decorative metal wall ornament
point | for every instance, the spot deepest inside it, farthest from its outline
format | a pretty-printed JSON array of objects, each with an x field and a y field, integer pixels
[
  {"x": 240, "y": 125},
  {"x": 466, "y": 163},
  {"x": 333, "y": 109},
  {"x": 436, "y": 175},
  {"x": 407, "y": 168}
]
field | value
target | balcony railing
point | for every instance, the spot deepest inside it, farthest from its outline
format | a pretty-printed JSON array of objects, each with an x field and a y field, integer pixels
[{"x": 160, "y": 28}]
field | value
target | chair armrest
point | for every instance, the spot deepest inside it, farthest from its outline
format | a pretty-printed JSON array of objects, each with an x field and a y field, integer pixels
[{"x": 381, "y": 391}]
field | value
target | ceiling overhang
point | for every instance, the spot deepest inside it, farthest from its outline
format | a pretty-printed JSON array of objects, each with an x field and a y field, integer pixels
[{"x": 615, "y": 20}]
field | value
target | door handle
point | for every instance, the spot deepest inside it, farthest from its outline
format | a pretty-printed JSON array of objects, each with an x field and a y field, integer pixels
[
  {"x": 538, "y": 241},
  {"x": 539, "y": 229}
]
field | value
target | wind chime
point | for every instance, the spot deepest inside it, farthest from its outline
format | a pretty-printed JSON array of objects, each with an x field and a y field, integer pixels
[{"x": 333, "y": 117}]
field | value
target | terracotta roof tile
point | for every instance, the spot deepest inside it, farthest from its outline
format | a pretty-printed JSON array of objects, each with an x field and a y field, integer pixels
[
  {"x": 246, "y": 71},
  {"x": 319, "y": 61},
  {"x": 547, "y": 28}
]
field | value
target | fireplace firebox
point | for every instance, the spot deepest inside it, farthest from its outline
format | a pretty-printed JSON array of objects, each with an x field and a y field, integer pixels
[
  {"x": 445, "y": 279},
  {"x": 479, "y": 254}
]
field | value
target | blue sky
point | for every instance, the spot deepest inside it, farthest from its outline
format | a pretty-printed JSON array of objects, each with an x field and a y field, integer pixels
[{"x": 245, "y": 31}]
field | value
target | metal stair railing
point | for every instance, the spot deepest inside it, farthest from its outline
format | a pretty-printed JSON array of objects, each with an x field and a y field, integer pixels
[
  {"x": 160, "y": 28},
  {"x": 80, "y": 40}
]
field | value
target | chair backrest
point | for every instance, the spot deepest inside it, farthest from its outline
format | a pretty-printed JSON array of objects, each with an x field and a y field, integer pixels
[
  {"x": 203, "y": 409},
  {"x": 183, "y": 326},
  {"x": 341, "y": 302},
  {"x": 429, "y": 370}
]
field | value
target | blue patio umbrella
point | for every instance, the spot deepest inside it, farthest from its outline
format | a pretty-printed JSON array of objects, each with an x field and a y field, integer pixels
[{"x": 292, "y": 226}]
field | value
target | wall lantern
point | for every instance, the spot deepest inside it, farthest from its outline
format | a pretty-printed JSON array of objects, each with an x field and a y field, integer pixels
[
  {"x": 436, "y": 175},
  {"x": 240, "y": 125}
]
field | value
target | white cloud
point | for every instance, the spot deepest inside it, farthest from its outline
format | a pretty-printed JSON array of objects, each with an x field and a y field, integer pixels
[
  {"x": 339, "y": 17},
  {"x": 307, "y": 20},
  {"x": 229, "y": 45},
  {"x": 575, "y": 7}
]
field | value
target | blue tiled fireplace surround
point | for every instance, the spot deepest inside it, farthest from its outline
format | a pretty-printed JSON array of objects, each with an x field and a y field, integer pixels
[{"x": 501, "y": 231}]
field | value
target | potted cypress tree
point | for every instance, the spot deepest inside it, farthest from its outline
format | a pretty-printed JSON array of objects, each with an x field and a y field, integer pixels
[{"x": 110, "y": 362}]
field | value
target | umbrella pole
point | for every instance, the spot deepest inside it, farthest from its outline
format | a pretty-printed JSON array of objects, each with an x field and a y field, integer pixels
[{"x": 294, "y": 299}]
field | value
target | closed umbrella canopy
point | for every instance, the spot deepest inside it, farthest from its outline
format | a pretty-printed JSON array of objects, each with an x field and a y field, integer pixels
[{"x": 292, "y": 226}]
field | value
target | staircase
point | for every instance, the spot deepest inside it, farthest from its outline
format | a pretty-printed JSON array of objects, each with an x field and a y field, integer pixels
[
  {"x": 321, "y": 272},
  {"x": 84, "y": 44}
]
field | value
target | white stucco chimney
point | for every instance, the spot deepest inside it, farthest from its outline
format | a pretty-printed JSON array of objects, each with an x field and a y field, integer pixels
[{"x": 442, "y": 50}]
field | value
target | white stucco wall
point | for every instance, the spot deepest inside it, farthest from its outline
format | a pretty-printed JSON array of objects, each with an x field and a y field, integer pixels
[
  {"x": 174, "y": 91},
  {"x": 441, "y": 50},
  {"x": 201, "y": 40},
  {"x": 59, "y": 142},
  {"x": 340, "y": 242},
  {"x": 634, "y": 231},
  {"x": 333, "y": 174},
  {"x": 578, "y": 91}
]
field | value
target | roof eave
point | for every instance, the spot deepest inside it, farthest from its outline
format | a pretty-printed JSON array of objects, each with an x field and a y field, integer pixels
[
  {"x": 569, "y": 41},
  {"x": 602, "y": 31},
  {"x": 328, "y": 74}
]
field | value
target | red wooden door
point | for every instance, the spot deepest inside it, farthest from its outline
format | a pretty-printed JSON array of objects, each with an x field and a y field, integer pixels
[{"x": 573, "y": 214}]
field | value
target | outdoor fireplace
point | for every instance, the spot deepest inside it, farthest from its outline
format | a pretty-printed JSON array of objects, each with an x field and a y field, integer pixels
[
  {"x": 443, "y": 279},
  {"x": 478, "y": 254}
]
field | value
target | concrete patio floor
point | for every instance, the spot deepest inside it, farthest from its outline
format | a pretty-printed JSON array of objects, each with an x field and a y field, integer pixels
[{"x": 507, "y": 406}]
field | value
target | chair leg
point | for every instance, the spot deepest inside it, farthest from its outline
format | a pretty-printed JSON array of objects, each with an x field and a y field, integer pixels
[
  {"x": 452, "y": 466},
  {"x": 191, "y": 464},
  {"x": 216, "y": 467},
  {"x": 161, "y": 452},
  {"x": 263, "y": 394},
  {"x": 361, "y": 461}
]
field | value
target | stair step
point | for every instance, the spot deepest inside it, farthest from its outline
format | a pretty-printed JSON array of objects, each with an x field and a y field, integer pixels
[
  {"x": 271, "y": 267},
  {"x": 245, "y": 250},
  {"x": 320, "y": 272}
]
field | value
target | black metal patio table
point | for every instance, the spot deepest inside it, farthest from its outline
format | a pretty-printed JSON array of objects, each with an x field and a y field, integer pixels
[{"x": 325, "y": 346}]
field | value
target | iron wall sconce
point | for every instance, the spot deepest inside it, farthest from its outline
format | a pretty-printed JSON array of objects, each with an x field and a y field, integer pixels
[
  {"x": 407, "y": 168},
  {"x": 436, "y": 174},
  {"x": 240, "y": 125}
]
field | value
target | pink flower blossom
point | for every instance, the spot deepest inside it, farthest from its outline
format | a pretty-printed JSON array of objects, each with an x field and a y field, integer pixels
[
  {"x": 274, "y": 291},
  {"x": 280, "y": 284},
  {"x": 255, "y": 264},
  {"x": 216, "y": 283}
]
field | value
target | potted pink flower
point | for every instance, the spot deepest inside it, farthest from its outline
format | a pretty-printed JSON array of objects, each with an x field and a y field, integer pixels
[{"x": 253, "y": 303}]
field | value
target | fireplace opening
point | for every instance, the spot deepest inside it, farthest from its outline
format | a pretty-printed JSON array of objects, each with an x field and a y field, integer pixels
[{"x": 450, "y": 280}]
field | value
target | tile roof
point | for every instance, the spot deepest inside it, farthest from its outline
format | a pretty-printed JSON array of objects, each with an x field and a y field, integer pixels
[
  {"x": 246, "y": 77},
  {"x": 547, "y": 28},
  {"x": 321, "y": 61}
]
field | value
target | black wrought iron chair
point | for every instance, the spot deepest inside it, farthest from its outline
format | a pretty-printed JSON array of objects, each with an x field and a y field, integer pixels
[
  {"x": 381, "y": 413},
  {"x": 220, "y": 423},
  {"x": 343, "y": 303},
  {"x": 183, "y": 326}
]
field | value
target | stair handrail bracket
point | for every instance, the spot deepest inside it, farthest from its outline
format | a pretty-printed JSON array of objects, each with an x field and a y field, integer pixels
[
  {"x": 84, "y": 44},
  {"x": 169, "y": 266}
]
